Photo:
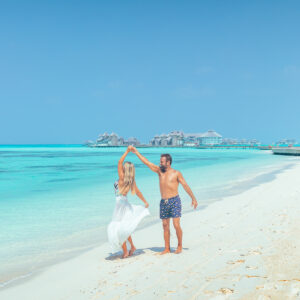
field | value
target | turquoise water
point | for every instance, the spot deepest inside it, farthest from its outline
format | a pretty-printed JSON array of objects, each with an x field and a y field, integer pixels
[{"x": 57, "y": 200}]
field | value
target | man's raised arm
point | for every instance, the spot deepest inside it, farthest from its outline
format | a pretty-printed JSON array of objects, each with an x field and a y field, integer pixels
[{"x": 149, "y": 164}]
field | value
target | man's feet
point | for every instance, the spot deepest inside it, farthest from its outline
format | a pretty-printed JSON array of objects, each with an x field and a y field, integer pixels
[
  {"x": 132, "y": 250},
  {"x": 125, "y": 254},
  {"x": 165, "y": 252},
  {"x": 178, "y": 250}
]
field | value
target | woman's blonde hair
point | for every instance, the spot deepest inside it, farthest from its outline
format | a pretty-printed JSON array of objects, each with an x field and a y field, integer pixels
[{"x": 129, "y": 179}]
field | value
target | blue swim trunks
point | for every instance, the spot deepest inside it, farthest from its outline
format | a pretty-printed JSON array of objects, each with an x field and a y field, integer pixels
[{"x": 170, "y": 208}]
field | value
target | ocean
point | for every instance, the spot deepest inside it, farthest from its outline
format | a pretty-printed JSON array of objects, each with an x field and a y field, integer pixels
[{"x": 56, "y": 200}]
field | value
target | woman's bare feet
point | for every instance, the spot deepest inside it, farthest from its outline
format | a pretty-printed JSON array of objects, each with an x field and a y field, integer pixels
[
  {"x": 125, "y": 254},
  {"x": 165, "y": 252},
  {"x": 178, "y": 250},
  {"x": 132, "y": 250}
]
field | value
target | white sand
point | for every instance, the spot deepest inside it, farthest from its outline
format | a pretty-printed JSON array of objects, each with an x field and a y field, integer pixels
[{"x": 243, "y": 247}]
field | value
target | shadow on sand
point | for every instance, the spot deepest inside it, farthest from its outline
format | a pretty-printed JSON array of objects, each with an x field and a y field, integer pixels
[{"x": 118, "y": 255}]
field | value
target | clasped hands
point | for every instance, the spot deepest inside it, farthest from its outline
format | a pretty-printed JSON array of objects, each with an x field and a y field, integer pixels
[{"x": 131, "y": 148}]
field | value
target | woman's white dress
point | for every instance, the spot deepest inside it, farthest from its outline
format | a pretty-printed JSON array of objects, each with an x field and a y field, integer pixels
[{"x": 125, "y": 219}]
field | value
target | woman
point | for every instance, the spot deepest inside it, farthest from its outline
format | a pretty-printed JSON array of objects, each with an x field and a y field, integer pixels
[{"x": 126, "y": 217}]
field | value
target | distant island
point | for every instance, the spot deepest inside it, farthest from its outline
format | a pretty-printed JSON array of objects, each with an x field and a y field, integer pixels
[{"x": 173, "y": 139}]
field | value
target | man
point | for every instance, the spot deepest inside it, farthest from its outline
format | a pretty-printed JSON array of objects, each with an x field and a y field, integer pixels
[{"x": 170, "y": 204}]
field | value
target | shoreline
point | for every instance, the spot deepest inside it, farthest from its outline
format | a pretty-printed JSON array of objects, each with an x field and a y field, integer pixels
[
  {"x": 36, "y": 277},
  {"x": 242, "y": 186}
]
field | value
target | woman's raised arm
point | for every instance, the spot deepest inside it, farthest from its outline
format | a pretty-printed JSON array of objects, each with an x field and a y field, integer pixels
[{"x": 120, "y": 164}]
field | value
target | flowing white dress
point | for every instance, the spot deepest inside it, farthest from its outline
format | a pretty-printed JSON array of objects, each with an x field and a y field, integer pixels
[{"x": 125, "y": 219}]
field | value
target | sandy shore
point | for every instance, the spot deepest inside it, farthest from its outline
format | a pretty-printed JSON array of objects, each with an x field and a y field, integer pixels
[{"x": 246, "y": 246}]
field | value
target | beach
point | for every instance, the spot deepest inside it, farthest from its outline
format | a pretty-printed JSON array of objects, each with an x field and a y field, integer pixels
[
  {"x": 57, "y": 200},
  {"x": 116, "y": 114},
  {"x": 245, "y": 246}
]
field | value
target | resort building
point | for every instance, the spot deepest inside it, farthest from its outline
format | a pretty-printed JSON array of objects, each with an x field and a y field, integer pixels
[
  {"x": 109, "y": 140},
  {"x": 175, "y": 138},
  {"x": 286, "y": 142},
  {"x": 180, "y": 139},
  {"x": 254, "y": 142},
  {"x": 132, "y": 141},
  {"x": 210, "y": 138},
  {"x": 106, "y": 139},
  {"x": 229, "y": 141},
  {"x": 192, "y": 139}
]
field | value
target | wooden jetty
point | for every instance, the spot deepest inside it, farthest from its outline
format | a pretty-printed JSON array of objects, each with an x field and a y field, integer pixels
[
  {"x": 227, "y": 147},
  {"x": 269, "y": 147},
  {"x": 286, "y": 150}
]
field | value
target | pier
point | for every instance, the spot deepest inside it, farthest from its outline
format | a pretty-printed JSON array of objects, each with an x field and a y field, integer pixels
[
  {"x": 286, "y": 150},
  {"x": 227, "y": 147}
]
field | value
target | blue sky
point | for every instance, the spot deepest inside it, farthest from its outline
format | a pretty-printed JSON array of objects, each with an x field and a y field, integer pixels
[{"x": 70, "y": 70}]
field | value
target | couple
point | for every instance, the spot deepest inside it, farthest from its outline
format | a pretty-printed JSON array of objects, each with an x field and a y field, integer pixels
[{"x": 126, "y": 216}]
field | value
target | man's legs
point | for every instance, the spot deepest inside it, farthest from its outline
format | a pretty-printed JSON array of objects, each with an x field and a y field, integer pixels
[
  {"x": 176, "y": 223},
  {"x": 166, "y": 227}
]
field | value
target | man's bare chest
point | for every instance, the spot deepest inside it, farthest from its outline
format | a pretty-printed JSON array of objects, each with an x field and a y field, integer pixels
[{"x": 168, "y": 179}]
